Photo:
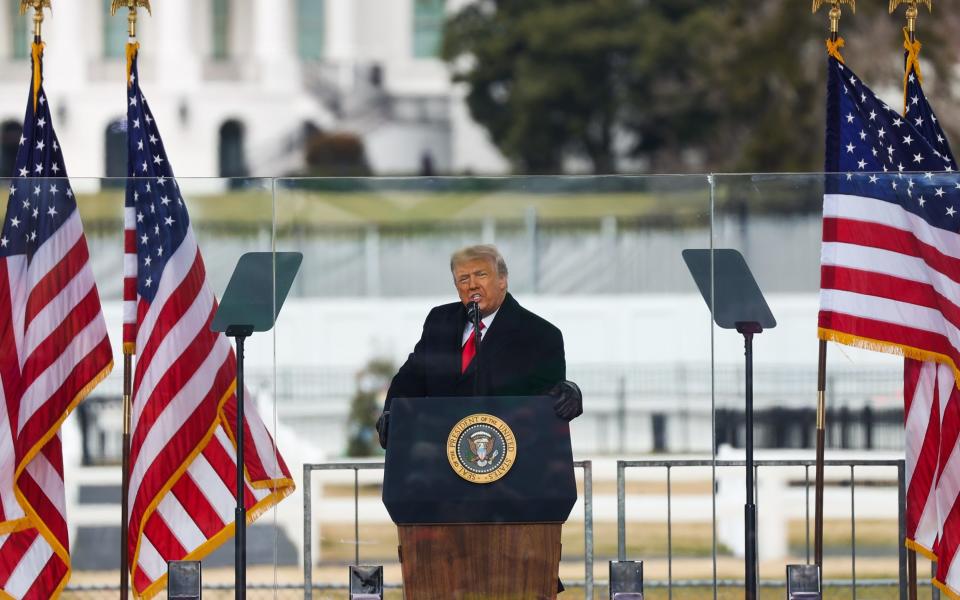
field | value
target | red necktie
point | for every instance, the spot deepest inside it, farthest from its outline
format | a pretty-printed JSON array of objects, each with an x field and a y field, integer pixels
[{"x": 469, "y": 350}]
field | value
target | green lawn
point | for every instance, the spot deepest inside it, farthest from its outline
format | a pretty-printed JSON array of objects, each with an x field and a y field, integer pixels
[{"x": 304, "y": 208}]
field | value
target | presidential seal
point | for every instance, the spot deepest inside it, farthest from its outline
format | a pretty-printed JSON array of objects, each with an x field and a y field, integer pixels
[{"x": 481, "y": 448}]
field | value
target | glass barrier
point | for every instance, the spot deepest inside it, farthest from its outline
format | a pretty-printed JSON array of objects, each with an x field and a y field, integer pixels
[
  {"x": 776, "y": 222},
  {"x": 226, "y": 218},
  {"x": 600, "y": 259}
]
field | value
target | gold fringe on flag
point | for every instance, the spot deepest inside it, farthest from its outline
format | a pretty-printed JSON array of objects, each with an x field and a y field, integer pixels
[
  {"x": 922, "y": 550},
  {"x": 856, "y": 341}
]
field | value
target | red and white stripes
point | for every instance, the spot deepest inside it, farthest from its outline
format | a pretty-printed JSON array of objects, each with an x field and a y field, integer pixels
[
  {"x": 53, "y": 349},
  {"x": 922, "y": 434},
  {"x": 888, "y": 280},
  {"x": 183, "y": 461},
  {"x": 129, "y": 279}
]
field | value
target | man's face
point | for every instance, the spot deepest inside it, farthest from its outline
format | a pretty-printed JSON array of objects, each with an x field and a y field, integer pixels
[{"x": 477, "y": 281}]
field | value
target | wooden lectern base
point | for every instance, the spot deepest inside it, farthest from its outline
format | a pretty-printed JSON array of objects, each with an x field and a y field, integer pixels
[{"x": 505, "y": 561}]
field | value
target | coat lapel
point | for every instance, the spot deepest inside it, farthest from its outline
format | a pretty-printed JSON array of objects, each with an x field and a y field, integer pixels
[
  {"x": 495, "y": 339},
  {"x": 458, "y": 322},
  {"x": 499, "y": 335}
]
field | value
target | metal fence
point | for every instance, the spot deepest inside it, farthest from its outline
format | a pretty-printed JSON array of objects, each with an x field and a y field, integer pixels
[
  {"x": 631, "y": 408},
  {"x": 852, "y": 583},
  {"x": 589, "y": 585},
  {"x": 308, "y": 469},
  {"x": 644, "y": 408}
]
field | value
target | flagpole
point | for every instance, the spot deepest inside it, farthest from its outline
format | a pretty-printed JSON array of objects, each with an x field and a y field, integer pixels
[
  {"x": 127, "y": 406},
  {"x": 821, "y": 444},
  {"x": 125, "y": 485},
  {"x": 834, "y": 43},
  {"x": 128, "y": 353},
  {"x": 911, "y": 15},
  {"x": 911, "y": 553}
]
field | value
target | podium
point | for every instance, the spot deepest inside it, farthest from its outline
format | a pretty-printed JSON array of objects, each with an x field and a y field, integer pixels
[{"x": 479, "y": 489}]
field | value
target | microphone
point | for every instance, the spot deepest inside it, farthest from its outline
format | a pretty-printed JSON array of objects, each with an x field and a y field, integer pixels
[{"x": 473, "y": 313}]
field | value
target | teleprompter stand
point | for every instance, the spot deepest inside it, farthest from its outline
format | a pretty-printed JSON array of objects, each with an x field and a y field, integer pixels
[
  {"x": 256, "y": 291},
  {"x": 728, "y": 287}
]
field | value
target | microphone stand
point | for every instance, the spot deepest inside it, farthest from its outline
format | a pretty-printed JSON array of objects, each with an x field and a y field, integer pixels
[{"x": 473, "y": 311}]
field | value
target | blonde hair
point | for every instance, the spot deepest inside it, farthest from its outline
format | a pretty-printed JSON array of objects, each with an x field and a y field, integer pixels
[{"x": 479, "y": 251}]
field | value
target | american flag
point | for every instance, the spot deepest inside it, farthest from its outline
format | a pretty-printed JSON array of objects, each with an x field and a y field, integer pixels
[
  {"x": 183, "y": 461},
  {"x": 923, "y": 381},
  {"x": 891, "y": 253},
  {"x": 933, "y": 512},
  {"x": 53, "y": 350},
  {"x": 890, "y": 274}
]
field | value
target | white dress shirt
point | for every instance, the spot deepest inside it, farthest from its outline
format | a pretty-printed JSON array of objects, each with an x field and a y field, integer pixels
[{"x": 468, "y": 329}]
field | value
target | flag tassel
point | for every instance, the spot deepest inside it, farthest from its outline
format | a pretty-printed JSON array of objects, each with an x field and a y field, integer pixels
[
  {"x": 834, "y": 44},
  {"x": 132, "y": 49},
  {"x": 37, "y": 54},
  {"x": 912, "y": 45}
]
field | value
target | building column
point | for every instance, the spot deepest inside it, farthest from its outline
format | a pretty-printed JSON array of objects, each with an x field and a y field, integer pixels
[
  {"x": 274, "y": 37},
  {"x": 65, "y": 63},
  {"x": 179, "y": 28},
  {"x": 341, "y": 28}
]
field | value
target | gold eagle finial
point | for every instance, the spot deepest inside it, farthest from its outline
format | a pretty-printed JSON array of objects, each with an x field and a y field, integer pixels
[
  {"x": 118, "y": 4},
  {"x": 895, "y": 3},
  {"x": 132, "y": 5},
  {"x": 835, "y": 12},
  {"x": 37, "y": 6},
  {"x": 26, "y": 5},
  {"x": 912, "y": 12},
  {"x": 853, "y": 3}
]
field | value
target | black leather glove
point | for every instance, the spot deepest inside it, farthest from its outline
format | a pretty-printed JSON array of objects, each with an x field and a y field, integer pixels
[
  {"x": 383, "y": 424},
  {"x": 568, "y": 404}
]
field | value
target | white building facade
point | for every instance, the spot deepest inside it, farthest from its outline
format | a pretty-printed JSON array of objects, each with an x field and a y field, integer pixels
[{"x": 236, "y": 85}]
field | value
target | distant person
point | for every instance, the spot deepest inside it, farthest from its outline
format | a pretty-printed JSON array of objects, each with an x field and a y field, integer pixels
[
  {"x": 521, "y": 354},
  {"x": 426, "y": 165}
]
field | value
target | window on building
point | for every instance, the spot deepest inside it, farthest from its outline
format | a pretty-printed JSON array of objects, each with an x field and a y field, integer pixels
[
  {"x": 233, "y": 163},
  {"x": 10, "y": 133},
  {"x": 220, "y": 32},
  {"x": 427, "y": 27},
  {"x": 20, "y": 31},
  {"x": 115, "y": 146},
  {"x": 114, "y": 32},
  {"x": 310, "y": 28}
]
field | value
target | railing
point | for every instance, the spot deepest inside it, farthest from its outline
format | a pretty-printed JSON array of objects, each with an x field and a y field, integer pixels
[
  {"x": 356, "y": 467},
  {"x": 634, "y": 408},
  {"x": 669, "y": 465},
  {"x": 290, "y": 590}
]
